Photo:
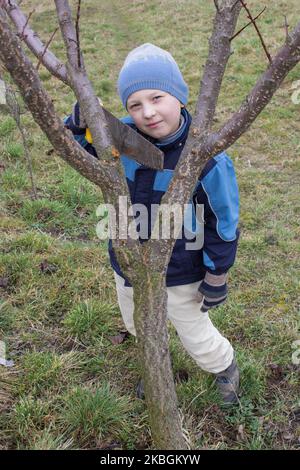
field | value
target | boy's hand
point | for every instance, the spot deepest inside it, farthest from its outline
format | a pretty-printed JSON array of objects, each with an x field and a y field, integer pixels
[{"x": 212, "y": 291}]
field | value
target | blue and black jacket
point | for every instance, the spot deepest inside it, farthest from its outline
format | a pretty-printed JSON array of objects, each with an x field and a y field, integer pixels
[{"x": 216, "y": 189}]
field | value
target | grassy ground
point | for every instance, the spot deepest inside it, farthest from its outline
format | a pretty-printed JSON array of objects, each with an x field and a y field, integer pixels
[{"x": 70, "y": 386}]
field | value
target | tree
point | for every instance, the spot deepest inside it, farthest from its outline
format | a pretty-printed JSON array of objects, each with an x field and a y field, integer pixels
[{"x": 144, "y": 264}]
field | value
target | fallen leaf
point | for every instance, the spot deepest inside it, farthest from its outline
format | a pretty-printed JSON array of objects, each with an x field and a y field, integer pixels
[{"x": 120, "y": 338}]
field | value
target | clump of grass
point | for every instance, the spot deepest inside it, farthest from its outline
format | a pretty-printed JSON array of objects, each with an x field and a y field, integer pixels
[
  {"x": 47, "y": 214},
  {"x": 46, "y": 371},
  {"x": 48, "y": 440},
  {"x": 93, "y": 414},
  {"x": 15, "y": 178},
  {"x": 197, "y": 393},
  {"x": 29, "y": 415},
  {"x": 90, "y": 319},
  {"x": 31, "y": 241},
  {"x": 14, "y": 267},
  {"x": 7, "y": 126},
  {"x": 7, "y": 317},
  {"x": 77, "y": 191},
  {"x": 15, "y": 150},
  {"x": 42, "y": 371}
]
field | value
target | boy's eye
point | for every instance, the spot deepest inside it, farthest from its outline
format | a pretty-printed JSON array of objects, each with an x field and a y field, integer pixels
[{"x": 158, "y": 96}]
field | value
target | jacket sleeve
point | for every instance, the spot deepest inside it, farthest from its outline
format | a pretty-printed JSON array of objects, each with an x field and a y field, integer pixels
[
  {"x": 218, "y": 192},
  {"x": 78, "y": 129}
]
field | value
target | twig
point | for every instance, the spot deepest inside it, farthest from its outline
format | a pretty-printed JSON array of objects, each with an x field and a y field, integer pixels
[
  {"x": 30, "y": 37},
  {"x": 219, "y": 52},
  {"x": 77, "y": 33},
  {"x": 22, "y": 35},
  {"x": 286, "y": 25},
  {"x": 45, "y": 49},
  {"x": 244, "y": 27},
  {"x": 14, "y": 108},
  {"x": 257, "y": 30}
]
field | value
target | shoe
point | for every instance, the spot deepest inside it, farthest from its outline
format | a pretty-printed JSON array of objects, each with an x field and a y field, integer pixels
[{"x": 228, "y": 382}]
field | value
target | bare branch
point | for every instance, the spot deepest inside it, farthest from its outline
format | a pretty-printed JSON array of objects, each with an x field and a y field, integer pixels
[
  {"x": 32, "y": 40},
  {"x": 257, "y": 30},
  {"x": 244, "y": 27},
  {"x": 219, "y": 53},
  {"x": 284, "y": 61},
  {"x": 86, "y": 97},
  {"x": 41, "y": 107},
  {"x": 45, "y": 49},
  {"x": 124, "y": 138},
  {"x": 286, "y": 25},
  {"x": 77, "y": 33},
  {"x": 68, "y": 32},
  {"x": 22, "y": 34},
  {"x": 15, "y": 111}
]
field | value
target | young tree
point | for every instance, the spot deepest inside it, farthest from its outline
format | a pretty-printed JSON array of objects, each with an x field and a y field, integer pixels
[{"x": 143, "y": 264}]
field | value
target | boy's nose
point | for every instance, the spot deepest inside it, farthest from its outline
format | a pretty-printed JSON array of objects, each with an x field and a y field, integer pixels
[{"x": 149, "y": 111}]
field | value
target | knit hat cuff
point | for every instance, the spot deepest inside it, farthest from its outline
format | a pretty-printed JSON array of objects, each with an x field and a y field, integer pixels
[{"x": 181, "y": 95}]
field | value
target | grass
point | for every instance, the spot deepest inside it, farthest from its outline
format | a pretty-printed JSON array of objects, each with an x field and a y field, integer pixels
[{"x": 70, "y": 386}]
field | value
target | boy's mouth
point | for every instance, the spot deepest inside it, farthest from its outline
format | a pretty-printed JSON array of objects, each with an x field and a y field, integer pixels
[{"x": 154, "y": 124}]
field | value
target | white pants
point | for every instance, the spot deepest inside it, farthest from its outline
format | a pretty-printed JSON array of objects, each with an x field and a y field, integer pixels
[{"x": 211, "y": 351}]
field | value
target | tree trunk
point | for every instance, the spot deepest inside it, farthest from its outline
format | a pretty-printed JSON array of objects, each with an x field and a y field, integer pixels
[{"x": 150, "y": 318}]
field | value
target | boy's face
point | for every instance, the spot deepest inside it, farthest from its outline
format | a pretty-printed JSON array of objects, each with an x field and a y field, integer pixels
[{"x": 155, "y": 112}]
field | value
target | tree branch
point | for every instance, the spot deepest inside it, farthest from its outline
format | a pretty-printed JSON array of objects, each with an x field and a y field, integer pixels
[
  {"x": 46, "y": 48},
  {"x": 257, "y": 30},
  {"x": 78, "y": 34},
  {"x": 248, "y": 24},
  {"x": 124, "y": 137},
  {"x": 286, "y": 26},
  {"x": 284, "y": 61},
  {"x": 32, "y": 40},
  {"x": 89, "y": 104},
  {"x": 42, "y": 109},
  {"x": 218, "y": 56},
  {"x": 15, "y": 111}
]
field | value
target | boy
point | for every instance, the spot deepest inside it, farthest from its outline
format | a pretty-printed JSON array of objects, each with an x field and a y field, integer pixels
[{"x": 155, "y": 94}]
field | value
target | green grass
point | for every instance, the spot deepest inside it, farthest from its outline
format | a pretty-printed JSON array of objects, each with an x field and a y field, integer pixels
[
  {"x": 71, "y": 387},
  {"x": 98, "y": 413}
]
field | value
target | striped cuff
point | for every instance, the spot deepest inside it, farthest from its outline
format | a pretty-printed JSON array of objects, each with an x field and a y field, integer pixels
[{"x": 214, "y": 290}]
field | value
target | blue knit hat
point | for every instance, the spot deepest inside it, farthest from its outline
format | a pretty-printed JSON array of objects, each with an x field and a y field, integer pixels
[{"x": 150, "y": 67}]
